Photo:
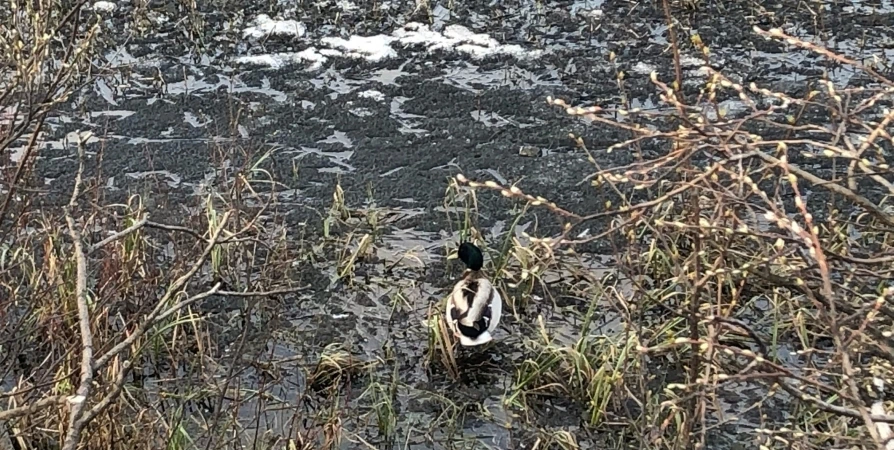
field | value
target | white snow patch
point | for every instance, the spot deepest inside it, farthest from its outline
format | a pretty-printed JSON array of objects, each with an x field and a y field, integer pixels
[
  {"x": 380, "y": 47},
  {"x": 691, "y": 61},
  {"x": 372, "y": 48},
  {"x": 264, "y": 25},
  {"x": 346, "y": 5},
  {"x": 463, "y": 34},
  {"x": 313, "y": 56},
  {"x": 104, "y": 6},
  {"x": 458, "y": 38},
  {"x": 417, "y": 33},
  {"x": 331, "y": 52},
  {"x": 361, "y": 112},
  {"x": 643, "y": 68},
  {"x": 373, "y": 94},
  {"x": 277, "y": 60}
]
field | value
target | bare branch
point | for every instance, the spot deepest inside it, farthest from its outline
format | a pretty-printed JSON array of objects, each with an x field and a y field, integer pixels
[
  {"x": 100, "y": 406},
  {"x": 32, "y": 408},
  {"x": 123, "y": 233},
  {"x": 178, "y": 228},
  {"x": 79, "y": 400},
  {"x": 82, "y": 394},
  {"x": 834, "y": 187},
  {"x": 263, "y": 293},
  {"x": 176, "y": 287}
]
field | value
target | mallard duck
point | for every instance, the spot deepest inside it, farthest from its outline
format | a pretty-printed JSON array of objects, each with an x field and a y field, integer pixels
[{"x": 474, "y": 307}]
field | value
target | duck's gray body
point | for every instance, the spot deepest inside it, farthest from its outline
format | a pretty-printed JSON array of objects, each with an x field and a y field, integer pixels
[{"x": 474, "y": 309}]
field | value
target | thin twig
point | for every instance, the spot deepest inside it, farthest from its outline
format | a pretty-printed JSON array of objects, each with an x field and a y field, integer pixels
[
  {"x": 182, "y": 229},
  {"x": 262, "y": 293},
  {"x": 834, "y": 187},
  {"x": 779, "y": 34},
  {"x": 123, "y": 233},
  {"x": 101, "y": 406},
  {"x": 175, "y": 288},
  {"x": 32, "y": 408}
]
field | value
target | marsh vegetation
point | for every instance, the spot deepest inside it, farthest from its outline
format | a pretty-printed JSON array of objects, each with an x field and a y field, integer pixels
[{"x": 730, "y": 287}]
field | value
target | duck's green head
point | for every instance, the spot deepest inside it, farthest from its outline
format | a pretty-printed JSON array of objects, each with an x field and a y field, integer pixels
[{"x": 471, "y": 256}]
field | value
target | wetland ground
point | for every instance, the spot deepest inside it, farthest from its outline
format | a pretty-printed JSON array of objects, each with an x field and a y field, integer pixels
[{"x": 326, "y": 139}]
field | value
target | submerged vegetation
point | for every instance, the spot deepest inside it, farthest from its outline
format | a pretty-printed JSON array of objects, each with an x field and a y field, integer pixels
[{"x": 734, "y": 288}]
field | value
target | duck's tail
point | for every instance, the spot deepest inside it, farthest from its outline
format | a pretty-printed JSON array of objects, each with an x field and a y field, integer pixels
[{"x": 482, "y": 338}]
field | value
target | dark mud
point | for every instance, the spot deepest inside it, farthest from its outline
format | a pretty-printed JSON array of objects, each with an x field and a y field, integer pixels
[{"x": 169, "y": 113}]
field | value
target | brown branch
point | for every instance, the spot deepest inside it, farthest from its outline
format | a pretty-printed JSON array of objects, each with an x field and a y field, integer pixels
[
  {"x": 81, "y": 417},
  {"x": 125, "y": 232},
  {"x": 175, "y": 288},
  {"x": 836, "y": 188},
  {"x": 23, "y": 162},
  {"x": 79, "y": 400},
  {"x": 828, "y": 407},
  {"x": 39, "y": 108},
  {"x": 678, "y": 70},
  {"x": 820, "y": 258},
  {"x": 26, "y": 410},
  {"x": 199, "y": 236},
  {"x": 785, "y": 373},
  {"x": 189, "y": 301},
  {"x": 262, "y": 293},
  {"x": 82, "y": 394},
  {"x": 179, "y": 228},
  {"x": 779, "y": 34},
  {"x": 99, "y": 407}
]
